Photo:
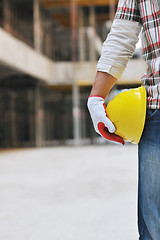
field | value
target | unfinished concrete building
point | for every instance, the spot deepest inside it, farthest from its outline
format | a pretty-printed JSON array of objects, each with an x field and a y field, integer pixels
[{"x": 48, "y": 56}]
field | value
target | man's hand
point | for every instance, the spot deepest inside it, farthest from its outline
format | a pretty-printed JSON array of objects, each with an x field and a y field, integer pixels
[{"x": 102, "y": 124}]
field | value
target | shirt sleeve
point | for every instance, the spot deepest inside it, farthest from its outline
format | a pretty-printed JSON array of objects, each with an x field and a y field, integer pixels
[
  {"x": 129, "y": 10},
  {"x": 119, "y": 46}
]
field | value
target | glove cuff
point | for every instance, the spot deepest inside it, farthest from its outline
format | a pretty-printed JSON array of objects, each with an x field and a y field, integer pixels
[{"x": 96, "y": 96}]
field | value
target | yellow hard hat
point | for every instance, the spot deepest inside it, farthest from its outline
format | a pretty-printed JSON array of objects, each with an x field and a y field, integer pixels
[{"x": 128, "y": 112}]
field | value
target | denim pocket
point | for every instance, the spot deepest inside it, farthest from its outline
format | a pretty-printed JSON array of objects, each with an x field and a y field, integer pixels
[{"x": 151, "y": 113}]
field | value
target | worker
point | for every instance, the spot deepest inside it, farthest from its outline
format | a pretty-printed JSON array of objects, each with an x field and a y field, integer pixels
[{"x": 132, "y": 18}]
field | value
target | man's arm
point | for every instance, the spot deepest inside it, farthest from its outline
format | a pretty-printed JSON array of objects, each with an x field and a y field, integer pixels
[
  {"x": 117, "y": 50},
  {"x": 96, "y": 105},
  {"x": 103, "y": 84}
]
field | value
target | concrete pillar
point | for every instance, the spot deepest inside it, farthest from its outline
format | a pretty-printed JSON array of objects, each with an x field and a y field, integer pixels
[
  {"x": 13, "y": 120},
  {"x": 75, "y": 88},
  {"x": 6, "y": 15},
  {"x": 92, "y": 23},
  {"x": 38, "y": 118},
  {"x": 31, "y": 116},
  {"x": 82, "y": 45},
  {"x": 37, "y": 25},
  {"x": 76, "y": 114}
]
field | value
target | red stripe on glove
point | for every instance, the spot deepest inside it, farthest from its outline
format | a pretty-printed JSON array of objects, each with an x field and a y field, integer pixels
[{"x": 109, "y": 136}]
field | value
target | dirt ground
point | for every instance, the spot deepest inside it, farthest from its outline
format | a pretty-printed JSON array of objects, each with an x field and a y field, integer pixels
[{"x": 69, "y": 193}]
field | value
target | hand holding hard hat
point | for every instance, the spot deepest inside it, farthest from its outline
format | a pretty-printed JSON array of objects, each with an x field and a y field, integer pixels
[
  {"x": 127, "y": 111},
  {"x": 101, "y": 122}
]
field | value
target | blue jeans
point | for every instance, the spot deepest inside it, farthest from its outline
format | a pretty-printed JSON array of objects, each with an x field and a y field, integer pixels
[{"x": 149, "y": 178}]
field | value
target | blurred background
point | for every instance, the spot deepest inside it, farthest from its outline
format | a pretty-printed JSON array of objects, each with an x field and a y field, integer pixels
[
  {"x": 49, "y": 189},
  {"x": 48, "y": 57}
]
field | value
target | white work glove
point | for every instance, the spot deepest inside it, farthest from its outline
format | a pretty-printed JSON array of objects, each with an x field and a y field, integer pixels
[{"x": 102, "y": 124}]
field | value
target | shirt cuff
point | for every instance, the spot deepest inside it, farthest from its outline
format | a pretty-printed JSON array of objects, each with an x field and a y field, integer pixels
[{"x": 113, "y": 68}]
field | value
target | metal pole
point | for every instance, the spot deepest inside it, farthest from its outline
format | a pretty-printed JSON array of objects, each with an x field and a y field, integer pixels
[
  {"x": 75, "y": 88},
  {"x": 92, "y": 49},
  {"x": 37, "y": 25},
  {"x": 7, "y": 15},
  {"x": 82, "y": 50},
  {"x": 73, "y": 28}
]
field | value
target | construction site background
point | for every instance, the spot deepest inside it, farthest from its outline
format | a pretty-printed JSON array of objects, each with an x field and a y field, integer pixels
[{"x": 48, "y": 57}]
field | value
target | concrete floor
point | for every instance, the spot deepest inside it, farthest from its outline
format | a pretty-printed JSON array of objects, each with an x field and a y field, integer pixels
[{"x": 67, "y": 193}]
